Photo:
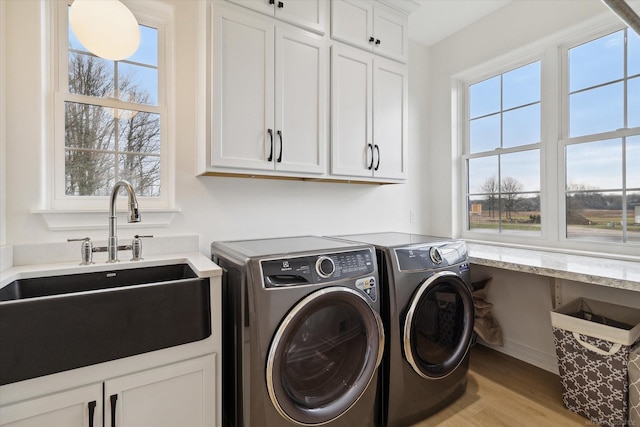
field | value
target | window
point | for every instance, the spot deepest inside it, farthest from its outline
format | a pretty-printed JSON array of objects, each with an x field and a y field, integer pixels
[
  {"x": 503, "y": 155},
  {"x": 111, "y": 119},
  {"x": 602, "y": 140},
  {"x": 550, "y": 149}
]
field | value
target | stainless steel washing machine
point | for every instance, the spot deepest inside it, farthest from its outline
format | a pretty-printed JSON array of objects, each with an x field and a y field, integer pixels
[
  {"x": 303, "y": 337},
  {"x": 428, "y": 315}
]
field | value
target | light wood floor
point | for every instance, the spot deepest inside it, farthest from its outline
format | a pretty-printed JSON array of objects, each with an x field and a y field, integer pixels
[{"x": 503, "y": 391}]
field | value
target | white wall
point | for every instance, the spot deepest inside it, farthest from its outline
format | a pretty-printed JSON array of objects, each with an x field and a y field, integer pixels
[
  {"x": 214, "y": 208},
  {"x": 3, "y": 114}
]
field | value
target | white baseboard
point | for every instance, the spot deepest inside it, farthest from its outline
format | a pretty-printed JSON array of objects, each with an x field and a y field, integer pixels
[{"x": 533, "y": 356}]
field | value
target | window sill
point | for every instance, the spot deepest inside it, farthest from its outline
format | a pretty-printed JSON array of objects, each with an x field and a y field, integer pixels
[
  {"x": 65, "y": 220},
  {"x": 584, "y": 267}
]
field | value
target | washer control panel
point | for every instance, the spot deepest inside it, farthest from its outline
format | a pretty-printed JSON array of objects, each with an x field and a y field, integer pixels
[
  {"x": 427, "y": 257},
  {"x": 314, "y": 269}
]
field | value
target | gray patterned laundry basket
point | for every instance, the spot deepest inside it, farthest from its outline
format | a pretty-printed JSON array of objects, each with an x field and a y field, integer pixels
[
  {"x": 593, "y": 341},
  {"x": 634, "y": 387}
]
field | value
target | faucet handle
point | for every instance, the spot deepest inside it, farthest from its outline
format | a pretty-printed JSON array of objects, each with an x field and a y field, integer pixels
[
  {"x": 136, "y": 247},
  {"x": 86, "y": 250},
  {"x": 81, "y": 239}
]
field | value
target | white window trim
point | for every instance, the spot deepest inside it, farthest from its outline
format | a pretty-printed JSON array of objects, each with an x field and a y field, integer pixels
[
  {"x": 88, "y": 212},
  {"x": 552, "y": 52}
]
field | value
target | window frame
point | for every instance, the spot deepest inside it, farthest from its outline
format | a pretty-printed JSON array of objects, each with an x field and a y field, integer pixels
[
  {"x": 500, "y": 151},
  {"x": 151, "y": 14},
  {"x": 461, "y": 83},
  {"x": 552, "y": 51},
  {"x": 566, "y": 140}
]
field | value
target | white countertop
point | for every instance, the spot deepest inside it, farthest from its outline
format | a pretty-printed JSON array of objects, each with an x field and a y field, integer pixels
[
  {"x": 64, "y": 258},
  {"x": 200, "y": 264},
  {"x": 581, "y": 268}
]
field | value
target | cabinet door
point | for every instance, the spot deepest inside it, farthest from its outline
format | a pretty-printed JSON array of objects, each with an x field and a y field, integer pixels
[
  {"x": 182, "y": 394},
  {"x": 81, "y": 407},
  {"x": 309, "y": 14},
  {"x": 390, "y": 28},
  {"x": 352, "y": 22},
  {"x": 242, "y": 95},
  {"x": 351, "y": 106},
  {"x": 300, "y": 102},
  {"x": 390, "y": 119}
]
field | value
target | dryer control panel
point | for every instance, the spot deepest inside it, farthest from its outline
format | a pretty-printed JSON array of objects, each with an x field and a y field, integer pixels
[
  {"x": 429, "y": 257},
  {"x": 314, "y": 269}
]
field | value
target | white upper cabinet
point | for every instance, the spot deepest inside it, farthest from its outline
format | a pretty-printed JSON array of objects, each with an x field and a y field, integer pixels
[
  {"x": 372, "y": 26},
  {"x": 390, "y": 119},
  {"x": 308, "y": 14},
  {"x": 351, "y": 112},
  {"x": 368, "y": 116},
  {"x": 268, "y": 96}
]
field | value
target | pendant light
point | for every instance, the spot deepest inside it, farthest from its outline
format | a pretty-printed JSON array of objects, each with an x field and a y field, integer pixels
[{"x": 107, "y": 28}]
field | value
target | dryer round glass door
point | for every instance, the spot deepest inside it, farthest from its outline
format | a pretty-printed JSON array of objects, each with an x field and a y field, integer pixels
[
  {"x": 438, "y": 325},
  {"x": 324, "y": 355}
]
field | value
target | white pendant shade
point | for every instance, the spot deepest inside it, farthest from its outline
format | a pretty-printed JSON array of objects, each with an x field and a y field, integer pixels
[{"x": 107, "y": 28}]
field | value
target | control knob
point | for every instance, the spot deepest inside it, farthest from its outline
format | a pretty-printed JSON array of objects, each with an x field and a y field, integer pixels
[
  {"x": 435, "y": 255},
  {"x": 325, "y": 267}
]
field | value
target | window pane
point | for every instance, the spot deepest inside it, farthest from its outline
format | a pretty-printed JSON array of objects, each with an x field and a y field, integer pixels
[
  {"x": 88, "y": 127},
  {"x": 138, "y": 84},
  {"x": 139, "y": 133},
  {"x": 521, "y": 126},
  {"x": 633, "y": 217},
  {"x": 484, "y": 134},
  {"x": 633, "y": 100},
  {"x": 143, "y": 172},
  {"x": 633, "y": 53},
  {"x": 483, "y": 213},
  {"x": 594, "y": 165},
  {"x": 88, "y": 173},
  {"x": 633, "y": 162},
  {"x": 597, "y": 110},
  {"x": 484, "y": 98},
  {"x": 483, "y": 175},
  {"x": 520, "y": 171},
  {"x": 520, "y": 213},
  {"x": 521, "y": 86},
  {"x": 597, "y": 62},
  {"x": 147, "y": 52},
  {"x": 594, "y": 216},
  {"x": 89, "y": 75}
]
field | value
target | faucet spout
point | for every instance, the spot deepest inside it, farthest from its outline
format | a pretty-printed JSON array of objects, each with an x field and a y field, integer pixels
[{"x": 134, "y": 216}]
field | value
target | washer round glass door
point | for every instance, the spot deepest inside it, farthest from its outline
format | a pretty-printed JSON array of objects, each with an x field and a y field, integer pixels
[
  {"x": 438, "y": 325},
  {"x": 324, "y": 355}
]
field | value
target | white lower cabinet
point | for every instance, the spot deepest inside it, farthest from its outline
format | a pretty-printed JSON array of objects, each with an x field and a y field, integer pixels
[
  {"x": 179, "y": 394},
  {"x": 80, "y": 407}
]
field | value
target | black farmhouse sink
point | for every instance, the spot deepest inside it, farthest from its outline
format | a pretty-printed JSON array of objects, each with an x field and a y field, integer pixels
[{"x": 53, "y": 324}]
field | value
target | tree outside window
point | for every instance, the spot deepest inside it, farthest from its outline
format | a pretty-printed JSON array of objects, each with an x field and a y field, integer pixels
[
  {"x": 602, "y": 147},
  {"x": 112, "y": 121},
  {"x": 503, "y": 158}
]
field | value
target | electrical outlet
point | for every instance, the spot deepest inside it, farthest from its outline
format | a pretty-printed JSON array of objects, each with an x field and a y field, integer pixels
[{"x": 412, "y": 217}]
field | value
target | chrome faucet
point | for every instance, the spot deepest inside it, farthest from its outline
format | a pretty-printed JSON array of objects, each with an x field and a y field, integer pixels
[{"x": 134, "y": 216}]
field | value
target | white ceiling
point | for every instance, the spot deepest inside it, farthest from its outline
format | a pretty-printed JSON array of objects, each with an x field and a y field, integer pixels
[{"x": 435, "y": 20}]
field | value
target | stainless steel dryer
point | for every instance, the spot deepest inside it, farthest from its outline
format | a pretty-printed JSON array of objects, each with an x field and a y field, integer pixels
[
  {"x": 428, "y": 314},
  {"x": 302, "y": 333}
]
